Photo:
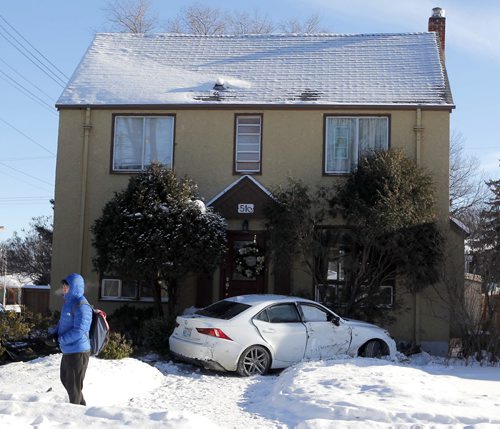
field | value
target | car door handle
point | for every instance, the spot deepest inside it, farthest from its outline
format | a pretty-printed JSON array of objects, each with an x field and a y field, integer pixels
[{"x": 268, "y": 331}]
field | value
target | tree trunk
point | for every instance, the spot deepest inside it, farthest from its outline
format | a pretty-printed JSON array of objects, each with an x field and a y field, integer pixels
[
  {"x": 158, "y": 307},
  {"x": 172, "y": 300}
]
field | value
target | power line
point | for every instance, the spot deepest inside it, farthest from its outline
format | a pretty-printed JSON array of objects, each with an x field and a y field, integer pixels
[
  {"x": 35, "y": 49},
  {"x": 24, "y": 90},
  {"x": 27, "y": 80},
  {"x": 24, "y": 203},
  {"x": 41, "y": 65},
  {"x": 26, "y": 174},
  {"x": 24, "y": 200},
  {"x": 24, "y": 181},
  {"x": 28, "y": 137},
  {"x": 29, "y": 158}
]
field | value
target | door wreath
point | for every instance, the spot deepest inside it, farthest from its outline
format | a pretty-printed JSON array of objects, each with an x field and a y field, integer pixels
[{"x": 249, "y": 261}]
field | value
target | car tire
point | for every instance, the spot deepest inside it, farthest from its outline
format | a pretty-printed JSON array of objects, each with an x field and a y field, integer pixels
[
  {"x": 255, "y": 360},
  {"x": 374, "y": 349}
]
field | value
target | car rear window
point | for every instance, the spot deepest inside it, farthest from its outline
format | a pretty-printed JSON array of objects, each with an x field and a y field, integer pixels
[{"x": 223, "y": 310}]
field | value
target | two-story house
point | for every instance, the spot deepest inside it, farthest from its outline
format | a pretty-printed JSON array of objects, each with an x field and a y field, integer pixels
[{"x": 239, "y": 115}]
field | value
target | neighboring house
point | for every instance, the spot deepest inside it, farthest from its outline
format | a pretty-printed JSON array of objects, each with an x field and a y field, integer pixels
[
  {"x": 36, "y": 298},
  {"x": 16, "y": 290},
  {"x": 10, "y": 292},
  {"x": 239, "y": 115}
]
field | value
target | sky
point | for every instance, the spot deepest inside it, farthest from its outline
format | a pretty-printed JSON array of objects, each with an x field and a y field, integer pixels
[
  {"x": 62, "y": 30},
  {"x": 343, "y": 393}
]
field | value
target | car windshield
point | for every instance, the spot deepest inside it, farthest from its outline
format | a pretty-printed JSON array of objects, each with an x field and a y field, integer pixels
[{"x": 223, "y": 310}]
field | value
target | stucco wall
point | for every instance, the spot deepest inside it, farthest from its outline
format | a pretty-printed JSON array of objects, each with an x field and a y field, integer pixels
[{"x": 292, "y": 146}]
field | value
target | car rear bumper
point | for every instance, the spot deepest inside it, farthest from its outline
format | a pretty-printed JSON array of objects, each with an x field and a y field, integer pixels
[
  {"x": 211, "y": 355},
  {"x": 207, "y": 364}
]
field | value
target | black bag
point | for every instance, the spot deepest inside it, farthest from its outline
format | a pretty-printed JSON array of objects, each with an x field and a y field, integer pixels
[{"x": 99, "y": 328}]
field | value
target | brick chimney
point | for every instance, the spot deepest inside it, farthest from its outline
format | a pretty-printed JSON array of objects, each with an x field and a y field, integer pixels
[{"x": 437, "y": 23}]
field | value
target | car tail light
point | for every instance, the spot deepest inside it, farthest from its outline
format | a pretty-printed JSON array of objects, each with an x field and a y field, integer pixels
[{"x": 214, "y": 332}]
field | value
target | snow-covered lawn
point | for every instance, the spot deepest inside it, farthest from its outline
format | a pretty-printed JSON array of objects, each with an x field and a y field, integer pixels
[{"x": 342, "y": 393}]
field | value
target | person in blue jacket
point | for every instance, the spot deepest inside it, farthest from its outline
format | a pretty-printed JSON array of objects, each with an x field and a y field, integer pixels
[{"x": 73, "y": 335}]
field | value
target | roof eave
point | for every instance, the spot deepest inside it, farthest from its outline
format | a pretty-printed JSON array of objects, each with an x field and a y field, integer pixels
[{"x": 274, "y": 106}]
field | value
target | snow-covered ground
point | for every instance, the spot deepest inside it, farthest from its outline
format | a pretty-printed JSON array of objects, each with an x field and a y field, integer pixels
[{"x": 341, "y": 393}]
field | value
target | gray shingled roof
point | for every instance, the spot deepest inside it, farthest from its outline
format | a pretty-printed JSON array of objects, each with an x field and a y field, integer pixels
[{"x": 323, "y": 69}]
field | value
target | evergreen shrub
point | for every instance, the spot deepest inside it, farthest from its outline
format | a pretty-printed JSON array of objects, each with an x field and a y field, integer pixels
[
  {"x": 117, "y": 347},
  {"x": 156, "y": 333},
  {"x": 129, "y": 321}
]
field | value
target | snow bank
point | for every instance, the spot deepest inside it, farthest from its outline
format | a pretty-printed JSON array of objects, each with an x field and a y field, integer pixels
[
  {"x": 372, "y": 392},
  {"x": 341, "y": 393}
]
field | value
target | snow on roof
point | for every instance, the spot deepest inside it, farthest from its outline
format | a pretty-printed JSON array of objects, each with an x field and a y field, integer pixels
[
  {"x": 321, "y": 69},
  {"x": 14, "y": 281},
  {"x": 35, "y": 287}
]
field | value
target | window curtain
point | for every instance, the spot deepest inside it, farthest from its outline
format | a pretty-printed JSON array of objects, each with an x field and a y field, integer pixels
[
  {"x": 340, "y": 145},
  {"x": 158, "y": 141},
  {"x": 128, "y": 143},
  {"x": 350, "y": 138},
  {"x": 372, "y": 134}
]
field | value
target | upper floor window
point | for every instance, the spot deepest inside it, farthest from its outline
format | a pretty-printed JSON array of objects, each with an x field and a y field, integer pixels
[
  {"x": 248, "y": 143},
  {"x": 142, "y": 140},
  {"x": 348, "y": 137}
]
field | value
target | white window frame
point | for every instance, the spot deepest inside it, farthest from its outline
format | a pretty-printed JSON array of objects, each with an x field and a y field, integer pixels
[
  {"x": 137, "y": 297},
  {"x": 143, "y": 162},
  {"x": 114, "y": 297},
  {"x": 355, "y": 150},
  {"x": 238, "y": 150}
]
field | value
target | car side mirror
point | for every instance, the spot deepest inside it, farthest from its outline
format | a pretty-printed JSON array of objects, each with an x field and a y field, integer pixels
[{"x": 335, "y": 320}]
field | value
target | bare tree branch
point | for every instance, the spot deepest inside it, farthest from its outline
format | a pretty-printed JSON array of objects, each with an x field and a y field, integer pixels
[
  {"x": 197, "y": 19},
  {"x": 131, "y": 16},
  {"x": 467, "y": 189},
  {"x": 244, "y": 23},
  {"x": 205, "y": 20},
  {"x": 310, "y": 25}
]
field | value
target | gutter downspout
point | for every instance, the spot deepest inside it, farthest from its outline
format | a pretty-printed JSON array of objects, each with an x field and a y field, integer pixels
[
  {"x": 418, "y": 129},
  {"x": 83, "y": 196}
]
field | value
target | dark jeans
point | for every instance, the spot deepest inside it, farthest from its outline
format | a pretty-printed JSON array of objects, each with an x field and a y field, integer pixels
[{"x": 73, "y": 369}]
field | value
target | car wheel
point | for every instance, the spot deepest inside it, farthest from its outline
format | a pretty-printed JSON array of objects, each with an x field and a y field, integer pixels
[
  {"x": 373, "y": 349},
  {"x": 255, "y": 360}
]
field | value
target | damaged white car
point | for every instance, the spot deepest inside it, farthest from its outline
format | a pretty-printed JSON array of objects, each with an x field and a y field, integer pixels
[{"x": 250, "y": 334}]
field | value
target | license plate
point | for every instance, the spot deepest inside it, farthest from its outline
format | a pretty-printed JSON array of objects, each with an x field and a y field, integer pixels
[{"x": 187, "y": 332}]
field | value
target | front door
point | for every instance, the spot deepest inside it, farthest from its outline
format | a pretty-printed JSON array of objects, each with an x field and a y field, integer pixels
[
  {"x": 325, "y": 339},
  {"x": 234, "y": 282}
]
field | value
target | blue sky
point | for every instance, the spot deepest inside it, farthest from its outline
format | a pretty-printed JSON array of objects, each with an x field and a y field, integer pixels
[{"x": 62, "y": 30}]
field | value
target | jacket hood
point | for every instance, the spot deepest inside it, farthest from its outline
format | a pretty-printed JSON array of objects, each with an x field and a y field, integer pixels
[{"x": 76, "y": 286}]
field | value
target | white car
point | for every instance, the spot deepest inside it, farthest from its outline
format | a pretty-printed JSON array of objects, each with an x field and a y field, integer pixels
[{"x": 250, "y": 334}]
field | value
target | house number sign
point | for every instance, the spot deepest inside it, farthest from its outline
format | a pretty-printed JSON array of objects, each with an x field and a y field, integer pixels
[{"x": 245, "y": 208}]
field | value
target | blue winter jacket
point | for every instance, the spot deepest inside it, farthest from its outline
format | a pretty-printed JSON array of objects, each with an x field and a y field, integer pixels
[{"x": 74, "y": 325}]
